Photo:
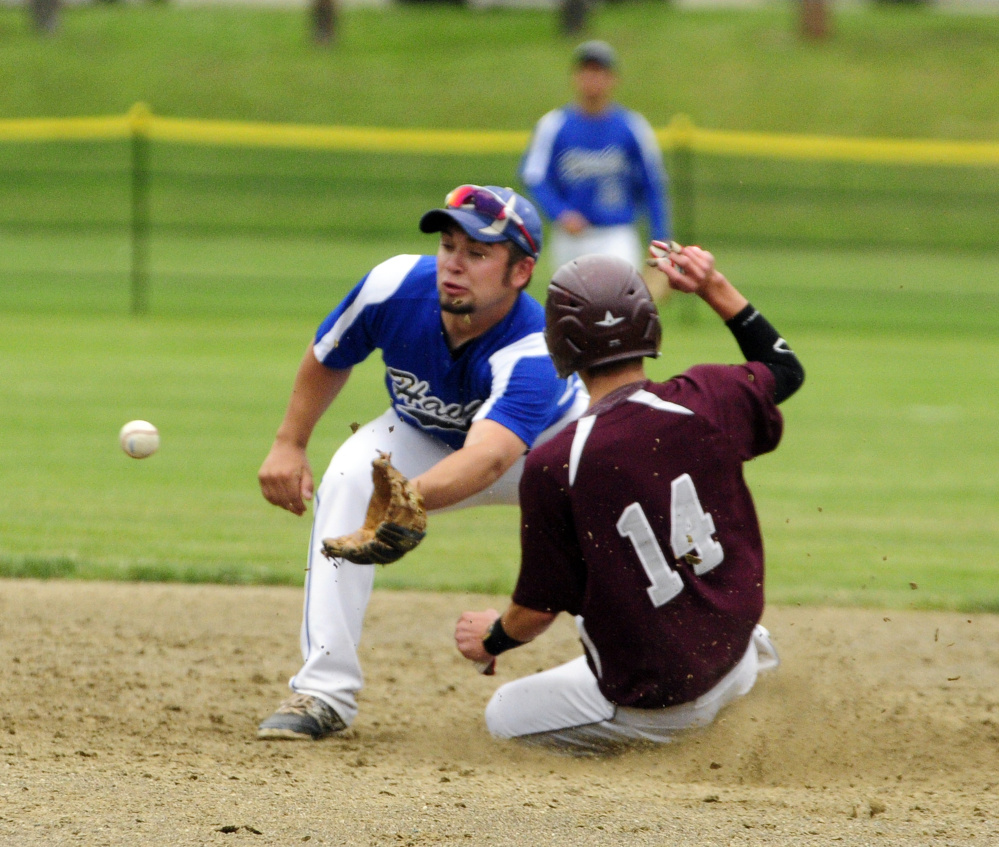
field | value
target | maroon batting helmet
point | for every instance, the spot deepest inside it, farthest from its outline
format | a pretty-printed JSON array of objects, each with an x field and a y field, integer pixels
[{"x": 599, "y": 311}]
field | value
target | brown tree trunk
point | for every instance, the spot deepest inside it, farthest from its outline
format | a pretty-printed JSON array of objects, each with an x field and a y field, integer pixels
[
  {"x": 814, "y": 19},
  {"x": 44, "y": 15},
  {"x": 324, "y": 21},
  {"x": 572, "y": 16}
]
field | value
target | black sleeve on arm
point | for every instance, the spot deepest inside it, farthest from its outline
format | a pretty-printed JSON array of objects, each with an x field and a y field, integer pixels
[{"x": 760, "y": 342}]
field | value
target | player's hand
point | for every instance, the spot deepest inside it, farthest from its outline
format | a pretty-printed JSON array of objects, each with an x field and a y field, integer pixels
[
  {"x": 573, "y": 222},
  {"x": 469, "y": 632},
  {"x": 689, "y": 269},
  {"x": 286, "y": 477}
]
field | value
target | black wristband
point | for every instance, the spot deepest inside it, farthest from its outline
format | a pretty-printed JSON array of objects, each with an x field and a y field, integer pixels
[{"x": 497, "y": 641}]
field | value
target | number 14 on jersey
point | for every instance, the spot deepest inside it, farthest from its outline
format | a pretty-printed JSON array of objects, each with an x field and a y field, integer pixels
[{"x": 691, "y": 539}]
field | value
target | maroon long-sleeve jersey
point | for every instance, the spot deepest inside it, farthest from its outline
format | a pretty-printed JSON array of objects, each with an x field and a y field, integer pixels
[{"x": 638, "y": 519}]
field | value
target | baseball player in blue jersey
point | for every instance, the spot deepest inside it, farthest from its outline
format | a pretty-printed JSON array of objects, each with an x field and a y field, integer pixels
[
  {"x": 595, "y": 168},
  {"x": 471, "y": 388}
]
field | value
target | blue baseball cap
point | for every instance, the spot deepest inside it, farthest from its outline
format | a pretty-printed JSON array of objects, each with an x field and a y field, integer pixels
[
  {"x": 597, "y": 53},
  {"x": 489, "y": 213}
]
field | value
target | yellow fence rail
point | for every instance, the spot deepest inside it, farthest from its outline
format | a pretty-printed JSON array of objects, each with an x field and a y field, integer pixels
[
  {"x": 680, "y": 134},
  {"x": 704, "y": 185}
]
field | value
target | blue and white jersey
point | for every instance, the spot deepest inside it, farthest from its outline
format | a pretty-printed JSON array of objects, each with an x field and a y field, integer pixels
[
  {"x": 607, "y": 167},
  {"x": 505, "y": 374}
]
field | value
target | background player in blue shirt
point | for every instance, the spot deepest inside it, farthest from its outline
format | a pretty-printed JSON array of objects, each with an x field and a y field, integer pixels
[
  {"x": 637, "y": 519},
  {"x": 595, "y": 168},
  {"x": 471, "y": 388}
]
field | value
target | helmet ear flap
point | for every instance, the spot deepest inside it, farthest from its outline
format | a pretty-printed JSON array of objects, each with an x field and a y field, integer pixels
[
  {"x": 572, "y": 348},
  {"x": 654, "y": 331},
  {"x": 563, "y": 336}
]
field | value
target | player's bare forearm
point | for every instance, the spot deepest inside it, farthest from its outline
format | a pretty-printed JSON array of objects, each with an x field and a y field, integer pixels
[
  {"x": 489, "y": 452},
  {"x": 285, "y": 476},
  {"x": 315, "y": 388},
  {"x": 526, "y": 624}
]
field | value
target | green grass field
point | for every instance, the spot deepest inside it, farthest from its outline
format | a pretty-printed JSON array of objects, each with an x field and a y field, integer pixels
[
  {"x": 884, "y": 489},
  {"x": 887, "y": 477},
  {"x": 888, "y": 70}
]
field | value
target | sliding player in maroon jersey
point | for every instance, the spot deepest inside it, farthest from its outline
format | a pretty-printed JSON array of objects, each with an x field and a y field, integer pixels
[{"x": 637, "y": 520}]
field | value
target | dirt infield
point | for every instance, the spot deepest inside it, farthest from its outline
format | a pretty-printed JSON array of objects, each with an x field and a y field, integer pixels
[{"x": 128, "y": 712}]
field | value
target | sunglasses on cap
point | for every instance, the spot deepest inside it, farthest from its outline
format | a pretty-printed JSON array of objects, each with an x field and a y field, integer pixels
[{"x": 490, "y": 204}]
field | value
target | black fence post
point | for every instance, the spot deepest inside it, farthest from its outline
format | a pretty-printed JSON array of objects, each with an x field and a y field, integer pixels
[
  {"x": 139, "y": 134},
  {"x": 682, "y": 180},
  {"x": 682, "y": 191}
]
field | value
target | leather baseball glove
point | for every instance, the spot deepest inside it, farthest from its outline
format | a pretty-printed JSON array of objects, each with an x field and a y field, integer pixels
[{"x": 396, "y": 521}]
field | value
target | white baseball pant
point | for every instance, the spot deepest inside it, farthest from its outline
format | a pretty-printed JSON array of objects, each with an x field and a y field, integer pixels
[
  {"x": 337, "y": 592},
  {"x": 621, "y": 241},
  {"x": 562, "y": 708}
]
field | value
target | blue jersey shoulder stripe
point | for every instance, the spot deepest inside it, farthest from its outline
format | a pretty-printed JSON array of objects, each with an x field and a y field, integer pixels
[
  {"x": 648, "y": 145},
  {"x": 379, "y": 285},
  {"x": 540, "y": 153},
  {"x": 503, "y": 361}
]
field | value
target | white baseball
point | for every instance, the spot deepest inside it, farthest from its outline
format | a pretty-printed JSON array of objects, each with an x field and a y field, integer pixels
[
  {"x": 139, "y": 439},
  {"x": 667, "y": 247},
  {"x": 660, "y": 252}
]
